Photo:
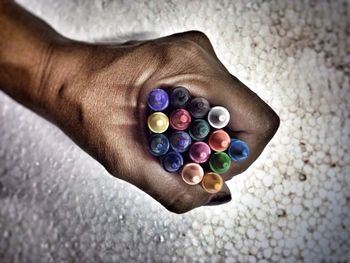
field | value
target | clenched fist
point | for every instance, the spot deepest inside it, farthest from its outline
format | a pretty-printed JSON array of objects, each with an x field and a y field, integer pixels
[{"x": 96, "y": 93}]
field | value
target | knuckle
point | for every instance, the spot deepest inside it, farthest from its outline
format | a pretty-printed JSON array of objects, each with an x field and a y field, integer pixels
[
  {"x": 270, "y": 124},
  {"x": 273, "y": 122},
  {"x": 198, "y": 36},
  {"x": 185, "y": 49}
]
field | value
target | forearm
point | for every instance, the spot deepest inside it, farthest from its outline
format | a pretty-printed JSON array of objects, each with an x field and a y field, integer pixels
[{"x": 26, "y": 45}]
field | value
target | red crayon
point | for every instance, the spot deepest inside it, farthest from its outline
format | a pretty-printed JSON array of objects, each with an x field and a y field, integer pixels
[{"x": 180, "y": 119}]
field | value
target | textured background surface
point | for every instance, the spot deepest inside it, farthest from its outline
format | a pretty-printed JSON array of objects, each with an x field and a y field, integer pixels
[{"x": 293, "y": 204}]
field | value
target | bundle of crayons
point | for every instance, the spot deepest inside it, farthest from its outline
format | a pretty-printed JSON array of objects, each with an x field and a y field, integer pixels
[{"x": 196, "y": 135}]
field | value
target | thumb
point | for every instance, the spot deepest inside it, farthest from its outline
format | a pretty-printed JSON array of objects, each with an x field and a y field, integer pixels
[{"x": 221, "y": 197}]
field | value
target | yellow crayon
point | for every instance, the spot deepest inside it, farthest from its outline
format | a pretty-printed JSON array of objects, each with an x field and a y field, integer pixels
[{"x": 158, "y": 122}]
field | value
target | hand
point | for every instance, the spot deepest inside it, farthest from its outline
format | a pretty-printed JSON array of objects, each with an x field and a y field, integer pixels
[
  {"x": 100, "y": 102},
  {"x": 97, "y": 95}
]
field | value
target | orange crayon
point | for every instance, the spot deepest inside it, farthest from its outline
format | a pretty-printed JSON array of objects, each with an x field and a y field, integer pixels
[
  {"x": 212, "y": 182},
  {"x": 219, "y": 140}
]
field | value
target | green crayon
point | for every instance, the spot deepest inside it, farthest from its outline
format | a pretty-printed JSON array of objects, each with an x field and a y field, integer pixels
[
  {"x": 199, "y": 129},
  {"x": 219, "y": 162}
]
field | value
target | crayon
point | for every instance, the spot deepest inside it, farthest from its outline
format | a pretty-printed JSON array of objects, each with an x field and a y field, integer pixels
[
  {"x": 192, "y": 173},
  {"x": 199, "y": 152},
  {"x": 180, "y": 119},
  {"x": 219, "y": 140},
  {"x": 212, "y": 182},
  {"x": 179, "y": 97},
  {"x": 199, "y": 107},
  {"x": 172, "y": 162},
  {"x": 158, "y": 144},
  {"x": 199, "y": 129},
  {"x": 220, "y": 162},
  {"x": 158, "y": 99},
  {"x": 180, "y": 141},
  {"x": 218, "y": 117},
  {"x": 158, "y": 122},
  {"x": 238, "y": 150}
]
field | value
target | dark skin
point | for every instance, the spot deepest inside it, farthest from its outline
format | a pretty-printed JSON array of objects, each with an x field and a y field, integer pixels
[{"x": 96, "y": 93}]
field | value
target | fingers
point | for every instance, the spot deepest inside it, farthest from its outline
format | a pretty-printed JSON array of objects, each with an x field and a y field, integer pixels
[
  {"x": 174, "y": 194},
  {"x": 252, "y": 120}
]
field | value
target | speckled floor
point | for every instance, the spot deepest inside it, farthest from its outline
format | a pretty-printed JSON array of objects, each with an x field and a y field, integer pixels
[{"x": 292, "y": 205}]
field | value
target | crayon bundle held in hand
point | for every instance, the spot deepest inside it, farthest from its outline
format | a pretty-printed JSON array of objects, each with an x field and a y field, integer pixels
[{"x": 189, "y": 137}]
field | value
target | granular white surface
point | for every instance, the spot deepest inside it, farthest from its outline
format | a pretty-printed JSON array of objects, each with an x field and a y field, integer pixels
[{"x": 292, "y": 205}]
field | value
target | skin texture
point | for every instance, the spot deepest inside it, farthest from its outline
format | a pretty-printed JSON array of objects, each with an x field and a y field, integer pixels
[{"x": 96, "y": 94}]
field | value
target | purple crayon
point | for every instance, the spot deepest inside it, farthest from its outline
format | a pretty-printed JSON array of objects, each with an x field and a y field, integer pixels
[
  {"x": 158, "y": 100},
  {"x": 180, "y": 141},
  {"x": 199, "y": 152}
]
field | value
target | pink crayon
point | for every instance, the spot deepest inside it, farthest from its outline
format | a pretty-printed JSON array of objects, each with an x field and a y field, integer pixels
[{"x": 200, "y": 152}]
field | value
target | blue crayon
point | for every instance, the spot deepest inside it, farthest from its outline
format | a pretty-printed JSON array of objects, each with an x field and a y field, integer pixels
[
  {"x": 180, "y": 141},
  {"x": 172, "y": 162},
  {"x": 158, "y": 144},
  {"x": 158, "y": 99},
  {"x": 238, "y": 150}
]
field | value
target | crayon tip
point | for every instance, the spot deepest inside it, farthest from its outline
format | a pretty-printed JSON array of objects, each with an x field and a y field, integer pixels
[
  {"x": 224, "y": 144},
  {"x": 159, "y": 123},
  {"x": 217, "y": 186},
  {"x": 183, "y": 118},
  {"x": 203, "y": 155},
  {"x": 222, "y": 117},
  {"x": 195, "y": 179}
]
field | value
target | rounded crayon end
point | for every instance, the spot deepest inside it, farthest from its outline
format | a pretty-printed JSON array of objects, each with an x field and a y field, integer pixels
[
  {"x": 180, "y": 119},
  {"x": 158, "y": 144},
  {"x": 180, "y": 97},
  {"x": 219, "y": 162},
  {"x": 238, "y": 150},
  {"x": 172, "y": 162},
  {"x": 212, "y": 182},
  {"x": 199, "y": 107},
  {"x": 199, "y": 152},
  {"x": 180, "y": 141},
  {"x": 192, "y": 173},
  {"x": 158, "y": 99},
  {"x": 218, "y": 117}
]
